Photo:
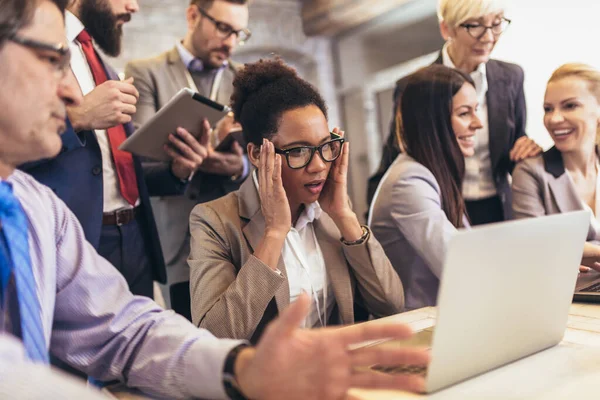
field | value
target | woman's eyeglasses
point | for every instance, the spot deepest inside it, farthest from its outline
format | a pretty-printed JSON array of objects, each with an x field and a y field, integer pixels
[
  {"x": 301, "y": 156},
  {"x": 478, "y": 30}
]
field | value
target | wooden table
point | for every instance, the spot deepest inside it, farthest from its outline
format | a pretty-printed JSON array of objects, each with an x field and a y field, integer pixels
[{"x": 568, "y": 370}]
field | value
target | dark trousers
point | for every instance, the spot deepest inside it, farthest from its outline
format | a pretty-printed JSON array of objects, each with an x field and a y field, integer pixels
[
  {"x": 123, "y": 246},
  {"x": 485, "y": 211}
]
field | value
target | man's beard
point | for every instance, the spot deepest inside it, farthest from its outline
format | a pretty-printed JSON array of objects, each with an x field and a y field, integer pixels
[{"x": 101, "y": 24}]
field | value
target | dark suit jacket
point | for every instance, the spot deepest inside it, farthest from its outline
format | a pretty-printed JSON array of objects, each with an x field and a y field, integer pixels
[
  {"x": 506, "y": 115},
  {"x": 75, "y": 175}
]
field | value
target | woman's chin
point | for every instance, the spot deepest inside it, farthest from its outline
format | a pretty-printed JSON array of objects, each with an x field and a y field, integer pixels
[{"x": 468, "y": 152}]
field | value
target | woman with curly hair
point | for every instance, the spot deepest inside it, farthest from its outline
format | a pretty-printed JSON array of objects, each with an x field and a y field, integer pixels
[{"x": 289, "y": 228}]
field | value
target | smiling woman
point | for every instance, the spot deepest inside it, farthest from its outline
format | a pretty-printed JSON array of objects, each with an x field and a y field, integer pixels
[
  {"x": 419, "y": 205},
  {"x": 566, "y": 177},
  {"x": 290, "y": 228}
]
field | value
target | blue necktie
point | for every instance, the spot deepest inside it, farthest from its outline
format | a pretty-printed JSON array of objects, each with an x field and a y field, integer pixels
[
  {"x": 15, "y": 228},
  {"x": 196, "y": 65}
]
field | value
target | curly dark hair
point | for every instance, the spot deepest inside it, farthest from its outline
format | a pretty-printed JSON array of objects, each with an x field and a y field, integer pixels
[
  {"x": 17, "y": 14},
  {"x": 263, "y": 91}
]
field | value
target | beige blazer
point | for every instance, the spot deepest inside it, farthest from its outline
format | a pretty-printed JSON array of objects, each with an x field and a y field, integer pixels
[
  {"x": 158, "y": 79},
  {"x": 235, "y": 295},
  {"x": 542, "y": 187}
]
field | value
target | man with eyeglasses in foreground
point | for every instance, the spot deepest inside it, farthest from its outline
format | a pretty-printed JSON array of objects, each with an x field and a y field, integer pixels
[
  {"x": 201, "y": 62},
  {"x": 59, "y": 296}
]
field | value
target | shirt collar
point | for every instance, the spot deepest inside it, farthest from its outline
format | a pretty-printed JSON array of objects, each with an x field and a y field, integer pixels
[
  {"x": 311, "y": 211},
  {"x": 481, "y": 69},
  {"x": 73, "y": 26},
  {"x": 479, "y": 76},
  {"x": 187, "y": 57}
]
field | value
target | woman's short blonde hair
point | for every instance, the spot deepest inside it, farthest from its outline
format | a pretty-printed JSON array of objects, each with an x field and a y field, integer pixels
[
  {"x": 582, "y": 71},
  {"x": 456, "y": 12}
]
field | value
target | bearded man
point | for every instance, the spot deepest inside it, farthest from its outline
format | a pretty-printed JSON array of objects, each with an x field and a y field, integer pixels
[{"x": 105, "y": 187}]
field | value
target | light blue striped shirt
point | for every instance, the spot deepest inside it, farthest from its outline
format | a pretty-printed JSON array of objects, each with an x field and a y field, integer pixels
[{"x": 93, "y": 322}]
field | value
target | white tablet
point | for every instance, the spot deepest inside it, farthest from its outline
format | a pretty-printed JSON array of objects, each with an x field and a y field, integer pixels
[{"x": 186, "y": 109}]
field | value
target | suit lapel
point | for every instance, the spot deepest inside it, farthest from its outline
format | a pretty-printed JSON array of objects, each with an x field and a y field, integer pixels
[
  {"x": 562, "y": 188},
  {"x": 176, "y": 69},
  {"x": 249, "y": 209},
  {"x": 336, "y": 266},
  {"x": 498, "y": 101},
  {"x": 226, "y": 85}
]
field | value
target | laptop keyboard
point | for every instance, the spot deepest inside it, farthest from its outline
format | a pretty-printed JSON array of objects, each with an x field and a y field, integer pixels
[
  {"x": 593, "y": 288},
  {"x": 401, "y": 369}
]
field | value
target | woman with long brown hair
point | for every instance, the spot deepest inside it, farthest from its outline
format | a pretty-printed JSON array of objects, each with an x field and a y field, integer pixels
[{"x": 419, "y": 205}]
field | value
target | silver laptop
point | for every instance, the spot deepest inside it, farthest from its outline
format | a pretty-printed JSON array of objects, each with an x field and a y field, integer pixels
[{"x": 505, "y": 294}]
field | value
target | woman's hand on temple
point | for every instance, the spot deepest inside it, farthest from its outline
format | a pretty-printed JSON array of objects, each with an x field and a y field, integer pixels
[
  {"x": 273, "y": 200},
  {"x": 334, "y": 198}
]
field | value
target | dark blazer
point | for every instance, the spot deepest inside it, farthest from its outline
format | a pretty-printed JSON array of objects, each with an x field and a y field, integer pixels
[
  {"x": 506, "y": 115},
  {"x": 75, "y": 175}
]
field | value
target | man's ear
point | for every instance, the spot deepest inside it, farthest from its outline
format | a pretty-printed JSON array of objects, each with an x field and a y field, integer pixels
[
  {"x": 253, "y": 154},
  {"x": 192, "y": 16}
]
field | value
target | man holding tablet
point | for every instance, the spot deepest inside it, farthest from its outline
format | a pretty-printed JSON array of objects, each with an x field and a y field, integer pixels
[{"x": 201, "y": 63}]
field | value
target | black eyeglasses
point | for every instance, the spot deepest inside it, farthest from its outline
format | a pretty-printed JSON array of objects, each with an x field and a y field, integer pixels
[
  {"x": 477, "y": 30},
  {"x": 60, "y": 62},
  {"x": 301, "y": 156},
  {"x": 224, "y": 30}
]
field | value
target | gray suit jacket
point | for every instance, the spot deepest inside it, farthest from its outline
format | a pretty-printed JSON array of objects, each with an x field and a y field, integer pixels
[
  {"x": 235, "y": 295},
  {"x": 541, "y": 186},
  {"x": 407, "y": 219},
  {"x": 158, "y": 79}
]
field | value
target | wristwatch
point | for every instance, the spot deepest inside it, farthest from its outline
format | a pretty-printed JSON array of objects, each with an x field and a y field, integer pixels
[
  {"x": 360, "y": 240},
  {"x": 229, "y": 381}
]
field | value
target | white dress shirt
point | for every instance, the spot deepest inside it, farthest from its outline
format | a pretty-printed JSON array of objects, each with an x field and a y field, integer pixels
[
  {"x": 595, "y": 213},
  {"x": 479, "y": 180},
  {"x": 305, "y": 266},
  {"x": 112, "y": 198}
]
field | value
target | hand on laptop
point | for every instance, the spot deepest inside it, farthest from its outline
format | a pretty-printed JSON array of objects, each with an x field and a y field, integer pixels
[
  {"x": 187, "y": 152},
  {"x": 591, "y": 257},
  {"x": 292, "y": 363}
]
